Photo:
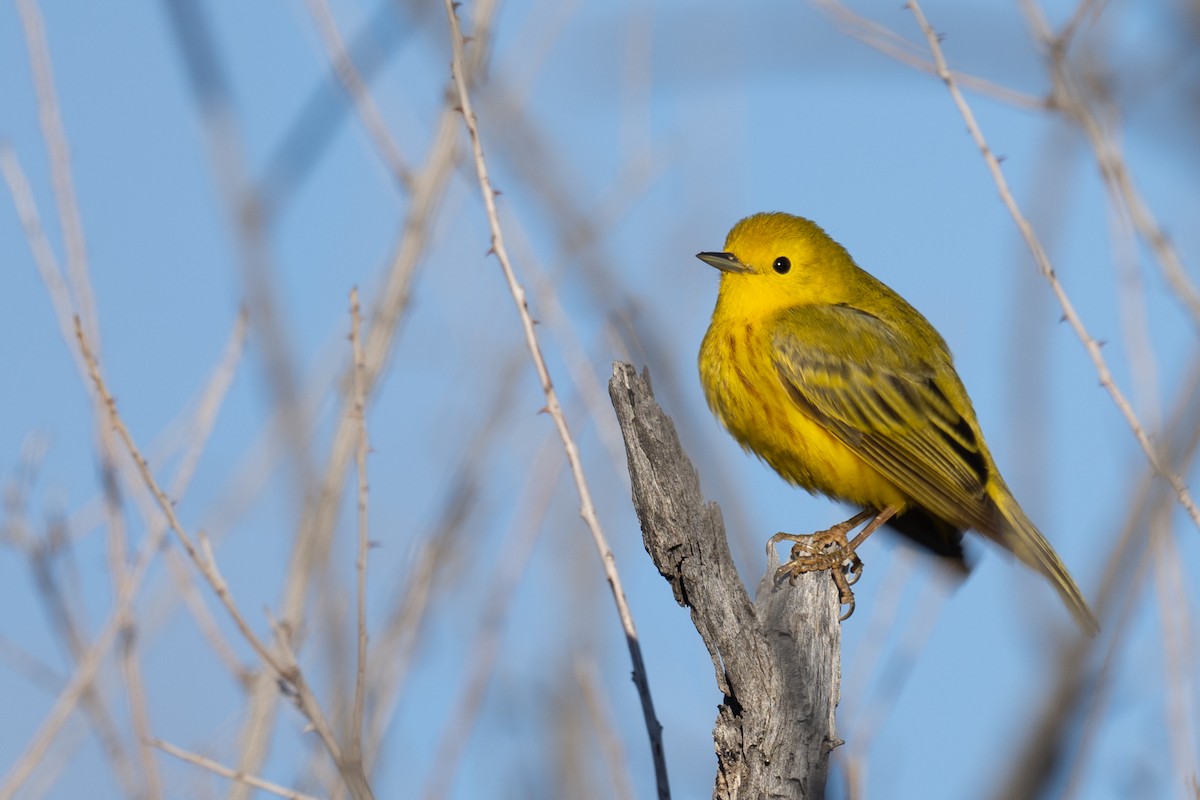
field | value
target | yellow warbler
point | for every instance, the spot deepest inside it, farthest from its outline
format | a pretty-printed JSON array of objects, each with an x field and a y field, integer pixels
[{"x": 846, "y": 390}]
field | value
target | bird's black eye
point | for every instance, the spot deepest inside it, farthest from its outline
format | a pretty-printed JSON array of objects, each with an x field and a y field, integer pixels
[{"x": 782, "y": 265}]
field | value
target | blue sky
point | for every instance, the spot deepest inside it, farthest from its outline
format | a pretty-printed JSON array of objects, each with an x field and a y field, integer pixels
[{"x": 659, "y": 126}]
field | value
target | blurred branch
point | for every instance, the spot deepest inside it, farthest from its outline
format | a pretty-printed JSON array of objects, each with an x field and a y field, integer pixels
[
  {"x": 1178, "y": 643},
  {"x": 89, "y": 661},
  {"x": 283, "y": 664},
  {"x": 244, "y": 206},
  {"x": 81, "y": 299},
  {"x": 226, "y": 772},
  {"x": 540, "y": 164},
  {"x": 200, "y": 429},
  {"x": 59, "y": 153},
  {"x": 517, "y": 547},
  {"x": 587, "y": 509},
  {"x": 1090, "y": 344},
  {"x": 440, "y": 555},
  {"x": 1070, "y": 98},
  {"x": 1032, "y": 771},
  {"x": 73, "y": 298},
  {"x": 356, "y": 87},
  {"x": 587, "y": 679},
  {"x": 314, "y": 538},
  {"x": 72, "y": 692},
  {"x": 308, "y": 135},
  {"x": 397, "y": 640},
  {"x": 886, "y": 41},
  {"x": 196, "y": 426},
  {"x": 65, "y": 617},
  {"x": 776, "y": 658},
  {"x": 38, "y": 673},
  {"x": 313, "y": 541},
  {"x": 864, "y": 712},
  {"x": 39, "y": 245},
  {"x": 249, "y": 217}
]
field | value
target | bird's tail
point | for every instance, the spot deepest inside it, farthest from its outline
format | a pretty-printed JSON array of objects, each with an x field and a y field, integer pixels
[{"x": 1021, "y": 536}]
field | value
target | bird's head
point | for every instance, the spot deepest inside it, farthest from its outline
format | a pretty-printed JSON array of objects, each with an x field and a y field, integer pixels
[{"x": 773, "y": 261}]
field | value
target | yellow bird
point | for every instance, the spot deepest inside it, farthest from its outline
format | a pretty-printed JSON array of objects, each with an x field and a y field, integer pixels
[{"x": 846, "y": 390}]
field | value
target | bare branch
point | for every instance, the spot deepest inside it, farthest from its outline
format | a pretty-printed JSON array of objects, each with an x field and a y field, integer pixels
[
  {"x": 587, "y": 509},
  {"x": 360, "y": 413}
]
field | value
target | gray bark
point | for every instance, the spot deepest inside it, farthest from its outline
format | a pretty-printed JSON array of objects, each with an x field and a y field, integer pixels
[{"x": 777, "y": 658}]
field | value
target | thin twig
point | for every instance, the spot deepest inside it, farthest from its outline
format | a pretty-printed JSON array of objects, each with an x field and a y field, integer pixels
[
  {"x": 587, "y": 509},
  {"x": 226, "y": 772},
  {"x": 360, "y": 402},
  {"x": 1090, "y": 344},
  {"x": 581, "y": 370},
  {"x": 199, "y": 427},
  {"x": 203, "y": 562}
]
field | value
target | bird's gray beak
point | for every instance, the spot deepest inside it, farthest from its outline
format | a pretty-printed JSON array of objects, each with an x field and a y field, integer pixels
[{"x": 726, "y": 262}]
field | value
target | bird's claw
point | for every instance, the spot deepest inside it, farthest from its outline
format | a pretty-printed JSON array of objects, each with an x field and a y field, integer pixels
[{"x": 824, "y": 550}]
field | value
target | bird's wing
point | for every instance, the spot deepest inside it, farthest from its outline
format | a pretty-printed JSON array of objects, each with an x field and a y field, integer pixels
[{"x": 863, "y": 382}]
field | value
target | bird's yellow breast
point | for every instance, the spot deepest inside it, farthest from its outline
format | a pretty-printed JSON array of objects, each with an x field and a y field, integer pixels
[{"x": 745, "y": 393}]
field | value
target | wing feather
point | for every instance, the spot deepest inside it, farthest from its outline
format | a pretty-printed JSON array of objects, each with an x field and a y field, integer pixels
[{"x": 891, "y": 407}]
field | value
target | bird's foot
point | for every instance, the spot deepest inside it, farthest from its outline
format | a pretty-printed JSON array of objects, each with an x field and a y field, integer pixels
[{"x": 824, "y": 550}]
